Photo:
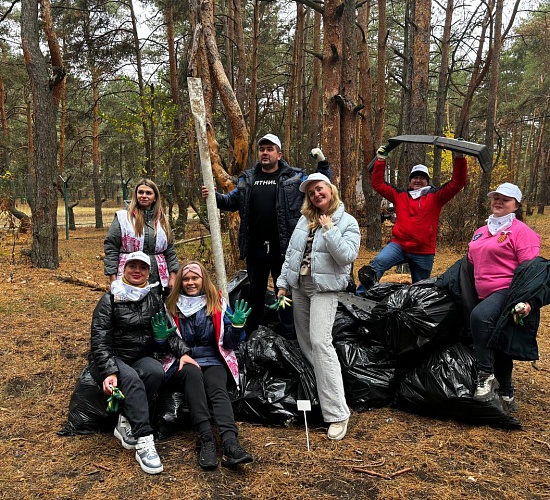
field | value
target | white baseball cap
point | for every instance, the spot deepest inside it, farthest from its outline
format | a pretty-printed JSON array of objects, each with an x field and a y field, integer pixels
[
  {"x": 272, "y": 138},
  {"x": 419, "y": 170},
  {"x": 139, "y": 255},
  {"x": 507, "y": 189},
  {"x": 313, "y": 177}
]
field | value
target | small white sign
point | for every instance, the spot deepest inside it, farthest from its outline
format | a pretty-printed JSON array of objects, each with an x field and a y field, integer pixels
[{"x": 304, "y": 404}]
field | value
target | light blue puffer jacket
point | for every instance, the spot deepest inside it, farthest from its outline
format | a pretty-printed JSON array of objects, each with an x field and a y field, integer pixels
[{"x": 332, "y": 253}]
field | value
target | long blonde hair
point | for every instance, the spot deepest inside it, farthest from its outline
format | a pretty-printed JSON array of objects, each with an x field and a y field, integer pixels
[
  {"x": 136, "y": 215},
  {"x": 312, "y": 213},
  {"x": 213, "y": 300}
]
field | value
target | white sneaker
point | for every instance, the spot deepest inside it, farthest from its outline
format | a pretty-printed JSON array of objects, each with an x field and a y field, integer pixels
[
  {"x": 337, "y": 430},
  {"x": 486, "y": 385},
  {"x": 147, "y": 456},
  {"x": 123, "y": 432}
]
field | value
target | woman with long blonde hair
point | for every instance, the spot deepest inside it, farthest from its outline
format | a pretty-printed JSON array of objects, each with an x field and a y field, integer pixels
[
  {"x": 201, "y": 317},
  {"x": 142, "y": 226},
  {"x": 317, "y": 266}
]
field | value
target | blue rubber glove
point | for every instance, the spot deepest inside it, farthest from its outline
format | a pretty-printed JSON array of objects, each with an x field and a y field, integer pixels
[
  {"x": 160, "y": 328},
  {"x": 241, "y": 312}
]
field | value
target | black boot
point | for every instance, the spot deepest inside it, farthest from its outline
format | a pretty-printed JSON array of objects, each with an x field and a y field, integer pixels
[
  {"x": 208, "y": 456},
  {"x": 234, "y": 454}
]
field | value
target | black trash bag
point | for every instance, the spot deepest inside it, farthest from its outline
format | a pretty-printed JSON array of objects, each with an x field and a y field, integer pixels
[
  {"x": 416, "y": 317},
  {"x": 238, "y": 286},
  {"x": 171, "y": 412},
  {"x": 346, "y": 326},
  {"x": 442, "y": 385},
  {"x": 276, "y": 375},
  {"x": 359, "y": 307},
  {"x": 380, "y": 291},
  {"x": 87, "y": 408},
  {"x": 368, "y": 373}
]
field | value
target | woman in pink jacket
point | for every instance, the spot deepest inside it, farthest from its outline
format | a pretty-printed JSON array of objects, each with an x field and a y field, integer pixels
[{"x": 495, "y": 251}]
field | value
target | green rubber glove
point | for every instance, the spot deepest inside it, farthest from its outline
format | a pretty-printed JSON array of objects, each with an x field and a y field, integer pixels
[
  {"x": 241, "y": 312},
  {"x": 160, "y": 328},
  {"x": 113, "y": 400},
  {"x": 382, "y": 153}
]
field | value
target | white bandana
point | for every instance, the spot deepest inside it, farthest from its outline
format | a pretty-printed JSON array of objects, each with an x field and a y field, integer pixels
[
  {"x": 123, "y": 292},
  {"x": 497, "y": 224},
  {"x": 417, "y": 193},
  {"x": 189, "y": 305}
]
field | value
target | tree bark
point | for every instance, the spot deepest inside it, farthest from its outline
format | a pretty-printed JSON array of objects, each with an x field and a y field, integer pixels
[
  {"x": 96, "y": 154},
  {"x": 442, "y": 88},
  {"x": 418, "y": 82},
  {"x": 227, "y": 95},
  {"x": 44, "y": 250},
  {"x": 176, "y": 163},
  {"x": 349, "y": 108},
  {"x": 315, "y": 99},
  {"x": 332, "y": 74},
  {"x": 492, "y": 92},
  {"x": 369, "y": 118},
  {"x": 149, "y": 167}
]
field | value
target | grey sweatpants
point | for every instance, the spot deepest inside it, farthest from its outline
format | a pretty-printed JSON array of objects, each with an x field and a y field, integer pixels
[{"x": 314, "y": 315}]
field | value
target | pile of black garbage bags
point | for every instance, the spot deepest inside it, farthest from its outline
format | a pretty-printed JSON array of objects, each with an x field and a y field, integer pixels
[{"x": 404, "y": 346}]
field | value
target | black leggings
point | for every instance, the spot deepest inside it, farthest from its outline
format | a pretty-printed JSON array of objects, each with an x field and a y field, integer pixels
[{"x": 201, "y": 385}]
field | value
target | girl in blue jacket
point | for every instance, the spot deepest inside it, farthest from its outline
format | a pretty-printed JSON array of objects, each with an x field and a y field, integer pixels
[{"x": 200, "y": 316}]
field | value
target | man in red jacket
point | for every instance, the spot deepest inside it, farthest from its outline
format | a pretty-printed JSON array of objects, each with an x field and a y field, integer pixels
[{"x": 417, "y": 210}]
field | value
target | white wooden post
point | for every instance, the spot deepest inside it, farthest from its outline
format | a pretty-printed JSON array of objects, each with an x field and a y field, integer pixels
[{"x": 199, "y": 115}]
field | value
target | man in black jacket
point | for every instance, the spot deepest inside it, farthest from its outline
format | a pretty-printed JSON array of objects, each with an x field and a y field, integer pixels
[{"x": 269, "y": 201}]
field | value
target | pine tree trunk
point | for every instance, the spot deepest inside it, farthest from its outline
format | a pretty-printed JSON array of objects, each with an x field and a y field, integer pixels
[{"x": 44, "y": 250}]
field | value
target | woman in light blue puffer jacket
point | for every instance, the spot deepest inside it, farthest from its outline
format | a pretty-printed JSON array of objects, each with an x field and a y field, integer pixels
[{"x": 317, "y": 266}]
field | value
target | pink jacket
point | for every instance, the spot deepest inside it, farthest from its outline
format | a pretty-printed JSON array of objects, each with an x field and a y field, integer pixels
[{"x": 496, "y": 257}]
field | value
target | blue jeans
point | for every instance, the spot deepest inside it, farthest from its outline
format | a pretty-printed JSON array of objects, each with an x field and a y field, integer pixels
[{"x": 392, "y": 255}]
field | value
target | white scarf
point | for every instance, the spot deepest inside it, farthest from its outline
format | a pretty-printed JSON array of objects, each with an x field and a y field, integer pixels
[
  {"x": 123, "y": 292},
  {"x": 417, "y": 193},
  {"x": 497, "y": 224},
  {"x": 189, "y": 305}
]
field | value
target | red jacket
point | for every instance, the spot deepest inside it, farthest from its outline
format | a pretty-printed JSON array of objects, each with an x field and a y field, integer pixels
[{"x": 416, "y": 223}]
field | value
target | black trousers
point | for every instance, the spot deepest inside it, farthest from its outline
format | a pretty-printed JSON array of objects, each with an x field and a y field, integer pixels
[
  {"x": 201, "y": 385},
  {"x": 139, "y": 382},
  {"x": 262, "y": 260}
]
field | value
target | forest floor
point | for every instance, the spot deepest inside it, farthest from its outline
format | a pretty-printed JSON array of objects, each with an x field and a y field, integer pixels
[{"x": 44, "y": 339}]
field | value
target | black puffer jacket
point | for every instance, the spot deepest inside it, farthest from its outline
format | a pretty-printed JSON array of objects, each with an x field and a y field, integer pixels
[
  {"x": 531, "y": 283},
  {"x": 288, "y": 203},
  {"x": 123, "y": 329}
]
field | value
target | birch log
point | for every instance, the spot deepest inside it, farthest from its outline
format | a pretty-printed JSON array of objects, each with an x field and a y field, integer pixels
[{"x": 199, "y": 115}]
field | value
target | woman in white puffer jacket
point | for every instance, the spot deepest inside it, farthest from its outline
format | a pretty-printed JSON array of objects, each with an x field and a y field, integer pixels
[{"x": 317, "y": 266}]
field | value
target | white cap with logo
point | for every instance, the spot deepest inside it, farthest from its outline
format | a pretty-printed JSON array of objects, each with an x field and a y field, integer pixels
[
  {"x": 419, "y": 170},
  {"x": 507, "y": 189},
  {"x": 139, "y": 255},
  {"x": 272, "y": 138},
  {"x": 313, "y": 177}
]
